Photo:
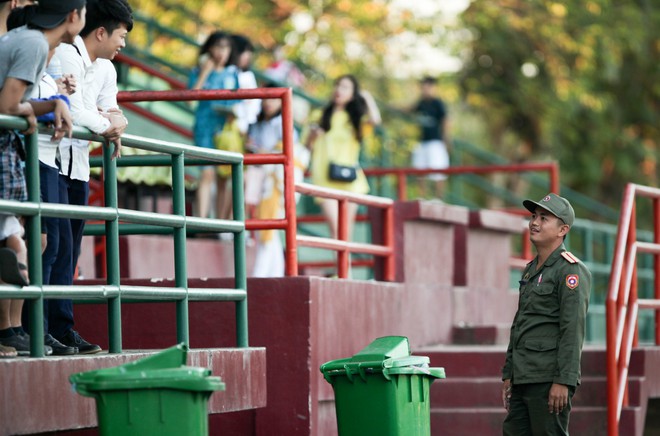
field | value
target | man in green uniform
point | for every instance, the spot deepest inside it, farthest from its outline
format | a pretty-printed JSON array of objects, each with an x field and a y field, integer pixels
[{"x": 542, "y": 368}]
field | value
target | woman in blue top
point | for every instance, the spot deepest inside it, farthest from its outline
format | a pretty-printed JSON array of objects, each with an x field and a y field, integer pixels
[{"x": 212, "y": 72}]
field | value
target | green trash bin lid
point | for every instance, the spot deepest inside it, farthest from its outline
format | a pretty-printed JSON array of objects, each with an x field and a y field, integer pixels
[
  {"x": 380, "y": 349},
  {"x": 165, "y": 370},
  {"x": 389, "y": 355}
]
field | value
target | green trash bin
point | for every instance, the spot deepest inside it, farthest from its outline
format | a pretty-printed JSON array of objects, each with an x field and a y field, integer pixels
[
  {"x": 382, "y": 390},
  {"x": 157, "y": 395}
]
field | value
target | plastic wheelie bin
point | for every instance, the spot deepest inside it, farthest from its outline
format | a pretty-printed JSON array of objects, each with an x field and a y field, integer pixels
[
  {"x": 382, "y": 390},
  {"x": 157, "y": 395}
]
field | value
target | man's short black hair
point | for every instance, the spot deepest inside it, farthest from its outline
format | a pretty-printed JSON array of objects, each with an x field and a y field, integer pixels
[{"x": 109, "y": 14}]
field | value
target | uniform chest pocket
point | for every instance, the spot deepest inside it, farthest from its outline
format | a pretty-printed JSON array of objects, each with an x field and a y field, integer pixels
[
  {"x": 543, "y": 290},
  {"x": 542, "y": 299}
]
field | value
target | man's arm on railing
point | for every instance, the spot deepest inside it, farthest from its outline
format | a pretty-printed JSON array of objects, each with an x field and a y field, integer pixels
[{"x": 11, "y": 96}]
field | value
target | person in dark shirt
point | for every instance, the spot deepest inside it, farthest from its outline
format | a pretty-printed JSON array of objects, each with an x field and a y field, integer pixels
[{"x": 432, "y": 150}]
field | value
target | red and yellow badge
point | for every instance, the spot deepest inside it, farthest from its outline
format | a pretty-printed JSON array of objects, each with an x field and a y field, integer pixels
[{"x": 572, "y": 281}]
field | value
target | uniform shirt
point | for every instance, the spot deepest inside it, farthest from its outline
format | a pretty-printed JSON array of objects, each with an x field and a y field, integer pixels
[
  {"x": 97, "y": 89},
  {"x": 548, "y": 329}
]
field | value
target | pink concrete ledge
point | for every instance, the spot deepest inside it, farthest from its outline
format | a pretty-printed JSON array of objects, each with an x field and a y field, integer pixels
[
  {"x": 36, "y": 395},
  {"x": 498, "y": 221},
  {"x": 433, "y": 211}
]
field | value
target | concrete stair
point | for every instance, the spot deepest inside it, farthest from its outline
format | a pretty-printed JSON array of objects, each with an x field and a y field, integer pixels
[{"x": 468, "y": 401}]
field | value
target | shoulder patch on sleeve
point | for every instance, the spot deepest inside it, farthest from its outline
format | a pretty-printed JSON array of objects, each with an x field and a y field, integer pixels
[
  {"x": 572, "y": 281},
  {"x": 570, "y": 257}
]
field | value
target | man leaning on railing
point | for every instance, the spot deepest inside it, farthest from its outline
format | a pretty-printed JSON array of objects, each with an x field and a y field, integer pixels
[
  {"x": 94, "y": 106},
  {"x": 23, "y": 54}
]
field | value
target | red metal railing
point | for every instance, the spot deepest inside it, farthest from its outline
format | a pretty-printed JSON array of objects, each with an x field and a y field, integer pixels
[
  {"x": 622, "y": 303},
  {"x": 289, "y": 223},
  {"x": 127, "y": 60},
  {"x": 552, "y": 168},
  {"x": 174, "y": 84},
  {"x": 342, "y": 245},
  {"x": 401, "y": 173}
]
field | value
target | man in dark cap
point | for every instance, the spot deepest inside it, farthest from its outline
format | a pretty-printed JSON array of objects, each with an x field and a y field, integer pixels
[
  {"x": 42, "y": 15},
  {"x": 23, "y": 56},
  {"x": 542, "y": 368}
]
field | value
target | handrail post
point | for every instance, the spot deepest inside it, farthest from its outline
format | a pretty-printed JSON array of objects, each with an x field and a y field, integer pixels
[
  {"x": 632, "y": 299},
  {"x": 554, "y": 178},
  {"x": 342, "y": 234},
  {"x": 402, "y": 188},
  {"x": 612, "y": 368},
  {"x": 388, "y": 240},
  {"x": 240, "y": 269},
  {"x": 291, "y": 256},
  {"x": 180, "y": 265},
  {"x": 656, "y": 264},
  {"x": 33, "y": 224},
  {"x": 112, "y": 249}
]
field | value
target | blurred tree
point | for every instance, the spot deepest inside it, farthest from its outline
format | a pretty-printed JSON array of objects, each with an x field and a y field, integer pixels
[
  {"x": 575, "y": 80},
  {"x": 329, "y": 37}
]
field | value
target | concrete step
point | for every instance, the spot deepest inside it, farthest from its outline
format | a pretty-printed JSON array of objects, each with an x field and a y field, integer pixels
[
  {"x": 467, "y": 421},
  {"x": 472, "y": 392},
  {"x": 481, "y": 335},
  {"x": 487, "y": 421},
  {"x": 466, "y": 360},
  {"x": 487, "y": 360},
  {"x": 468, "y": 401}
]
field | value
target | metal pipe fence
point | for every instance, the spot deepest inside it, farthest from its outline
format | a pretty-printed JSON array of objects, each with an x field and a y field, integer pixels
[{"x": 115, "y": 218}]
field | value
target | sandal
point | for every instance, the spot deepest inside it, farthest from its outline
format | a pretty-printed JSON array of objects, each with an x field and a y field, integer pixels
[
  {"x": 10, "y": 268},
  {"x": 6, "y": 352}
]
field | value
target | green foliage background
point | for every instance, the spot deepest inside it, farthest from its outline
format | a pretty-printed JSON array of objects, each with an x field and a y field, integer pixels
[{"x": 593, "y": 102}]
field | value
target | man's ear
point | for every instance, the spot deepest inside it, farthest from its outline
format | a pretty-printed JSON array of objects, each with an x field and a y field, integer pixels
[
  {"x": 73, "y": 15},
  {"x": 564, "y": 230},
  {"x": 100, "y": 33}
]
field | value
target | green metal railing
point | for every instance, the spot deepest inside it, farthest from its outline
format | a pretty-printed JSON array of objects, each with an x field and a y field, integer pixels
[{"x": 115, "y": 218}]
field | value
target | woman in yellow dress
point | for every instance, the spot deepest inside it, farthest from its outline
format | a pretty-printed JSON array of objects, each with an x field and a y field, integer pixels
[{"x": 335, "y": 139}]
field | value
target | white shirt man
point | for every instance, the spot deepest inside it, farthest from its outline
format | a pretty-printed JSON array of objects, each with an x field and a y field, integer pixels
[
  {"x": 94, "y": 106},
  {"x": 91, "y": 106}
]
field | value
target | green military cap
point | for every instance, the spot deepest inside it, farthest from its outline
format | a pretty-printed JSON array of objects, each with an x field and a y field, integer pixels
[{"x": 556, "y": 205}]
